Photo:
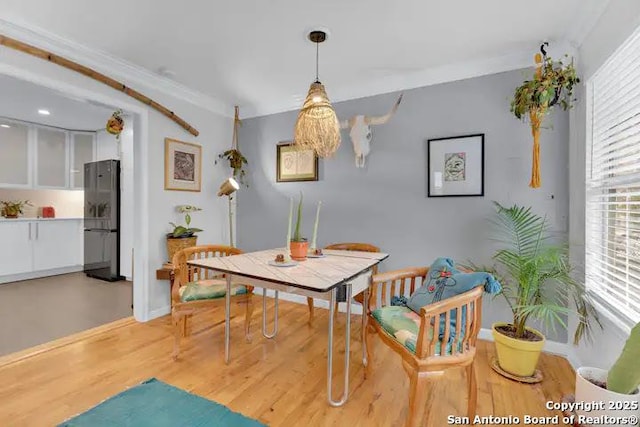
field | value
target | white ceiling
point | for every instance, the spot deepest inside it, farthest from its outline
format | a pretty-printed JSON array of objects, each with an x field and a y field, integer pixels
[
  {"x": 21, "y": 100},
  {"x": 254, "y": 52}
]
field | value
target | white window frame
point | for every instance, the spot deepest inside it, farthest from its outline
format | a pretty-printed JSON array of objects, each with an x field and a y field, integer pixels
[{"x": 623, "y": 315}]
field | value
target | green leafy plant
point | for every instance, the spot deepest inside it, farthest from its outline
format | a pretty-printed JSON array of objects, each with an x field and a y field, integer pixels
[
  {"x": 13, "y": 208},
  {"x": 624, "y": 375},
  {"x": 236, "y": 162},
  {"x": 535, "y": 274},
  {"x": 553, "y": 85},
  {"x": 180, "y": 231},
  {"x": 296, "y": 234}
]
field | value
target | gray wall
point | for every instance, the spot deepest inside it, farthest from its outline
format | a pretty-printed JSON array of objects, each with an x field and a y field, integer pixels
[{"x": 385, "y": 203}]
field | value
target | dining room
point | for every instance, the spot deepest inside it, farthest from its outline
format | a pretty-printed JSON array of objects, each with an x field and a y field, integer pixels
[{"x": 416, "y": 214}]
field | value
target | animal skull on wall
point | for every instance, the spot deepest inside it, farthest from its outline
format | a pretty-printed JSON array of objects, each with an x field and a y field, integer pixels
[{"x": 360, "y": 132}]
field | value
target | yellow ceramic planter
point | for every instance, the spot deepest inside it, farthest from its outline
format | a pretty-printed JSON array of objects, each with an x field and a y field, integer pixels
[{"x": 517, "y": 357}]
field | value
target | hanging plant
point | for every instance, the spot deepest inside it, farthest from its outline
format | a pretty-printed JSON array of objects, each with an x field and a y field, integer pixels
[
  {"x": 234, "y": 156},
  {"x": 115, "y": 124},
  {"x": 552, "y": 85},
  {"x": 236, "y": 162}
]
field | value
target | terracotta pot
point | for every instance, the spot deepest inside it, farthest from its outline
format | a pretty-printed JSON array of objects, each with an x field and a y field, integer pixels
[
  {"x": 299, "y": 250},
  {"x": 10, "y": 215}
]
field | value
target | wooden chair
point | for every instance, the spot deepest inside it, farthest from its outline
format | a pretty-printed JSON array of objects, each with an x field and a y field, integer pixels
[
  {"x": 426, "y": 360},
  {"x": 211, "y": 283},
  {"x": 363, "y": 247}
]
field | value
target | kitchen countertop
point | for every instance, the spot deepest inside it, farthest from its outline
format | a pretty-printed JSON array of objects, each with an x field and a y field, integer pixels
[{"x": 22, "y": 218}]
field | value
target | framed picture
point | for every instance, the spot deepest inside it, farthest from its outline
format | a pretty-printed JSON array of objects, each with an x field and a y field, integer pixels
[
  {"x": 295, "y": 164},
  {"x": 182, "y": 165},
  {"x": 455, "y": 166}
]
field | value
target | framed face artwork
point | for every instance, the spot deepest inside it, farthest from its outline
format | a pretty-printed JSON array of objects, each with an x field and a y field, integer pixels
[
  {"x": 182, "y": 165},
  {"x": 295, "y": 164},
  {"x": 455, "y": 166}
]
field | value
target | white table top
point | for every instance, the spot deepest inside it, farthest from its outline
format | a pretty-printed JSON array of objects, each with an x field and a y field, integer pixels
[{"x": 314, "y": 274}]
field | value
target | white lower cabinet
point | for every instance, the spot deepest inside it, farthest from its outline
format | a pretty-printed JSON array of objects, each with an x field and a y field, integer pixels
[
  {"x": 36, "y": 248},
  {"x": 16, "y": 254}
]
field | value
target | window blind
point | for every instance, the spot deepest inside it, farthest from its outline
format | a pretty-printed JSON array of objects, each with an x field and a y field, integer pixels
[{"x": 612, "y": 270}]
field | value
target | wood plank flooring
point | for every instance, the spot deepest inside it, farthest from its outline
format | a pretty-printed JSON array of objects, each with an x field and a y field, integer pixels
[{"x": 280, "y": 382}]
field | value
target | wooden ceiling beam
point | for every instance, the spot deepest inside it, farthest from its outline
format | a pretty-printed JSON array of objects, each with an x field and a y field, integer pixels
[{"x": 86, "y": 71}]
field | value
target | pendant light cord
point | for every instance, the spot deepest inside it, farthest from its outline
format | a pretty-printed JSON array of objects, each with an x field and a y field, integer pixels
[{"x": 317, "y": 56}]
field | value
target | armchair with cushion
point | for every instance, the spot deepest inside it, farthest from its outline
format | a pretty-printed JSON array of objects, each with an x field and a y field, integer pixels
[
  {"x": 440, "y": 336},
  {"x": 194, "y": 288}
]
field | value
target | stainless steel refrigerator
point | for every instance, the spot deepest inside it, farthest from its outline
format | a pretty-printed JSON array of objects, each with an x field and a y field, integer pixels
[{"x": 102, "y": 220}]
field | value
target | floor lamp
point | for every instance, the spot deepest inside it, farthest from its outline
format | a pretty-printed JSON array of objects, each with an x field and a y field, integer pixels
[{"x": 228, "y": 187}]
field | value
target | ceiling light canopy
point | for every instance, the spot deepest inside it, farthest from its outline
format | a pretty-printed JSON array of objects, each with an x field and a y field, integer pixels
[
  {"x": 44, "y": 112},
  {"x": 317, "y": 127}
]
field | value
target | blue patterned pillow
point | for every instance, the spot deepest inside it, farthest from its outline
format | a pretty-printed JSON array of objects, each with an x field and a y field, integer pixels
[{"x": 445, "y": 281}]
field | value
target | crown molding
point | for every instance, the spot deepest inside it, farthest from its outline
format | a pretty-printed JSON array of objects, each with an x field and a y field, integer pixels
[
  {"x": 581, "y": 26},
  {"x": 112, "y": 66},
  {"x": 427, "y": 77}
]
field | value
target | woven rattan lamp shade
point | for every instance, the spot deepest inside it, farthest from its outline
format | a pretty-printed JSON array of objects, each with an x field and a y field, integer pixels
[{"x": 317, "y": 127}]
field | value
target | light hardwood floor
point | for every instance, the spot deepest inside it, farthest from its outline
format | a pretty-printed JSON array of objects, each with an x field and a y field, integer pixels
[
  {"x": 37, "y": 311},
  {"x": 280, "y": 382}
]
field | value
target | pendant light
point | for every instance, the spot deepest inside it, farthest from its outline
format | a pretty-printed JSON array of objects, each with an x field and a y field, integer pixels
[{"x": 317, "y": 127}]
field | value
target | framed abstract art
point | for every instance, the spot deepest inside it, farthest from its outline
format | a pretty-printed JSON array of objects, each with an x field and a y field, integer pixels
[
  {"x": 455, "y": 166},
  {"x": 182, "y": 165},
  {"x": 295, "y": 164}
]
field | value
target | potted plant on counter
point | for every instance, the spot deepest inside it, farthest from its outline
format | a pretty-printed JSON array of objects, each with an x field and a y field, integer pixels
[
  {"x": 182, "y": 236},
  {"x": 536, "y": 284},
  {"x": 616, "y": 388},
  {"x": 299, "y": 244},
  {"x": 13, "y": 208}
]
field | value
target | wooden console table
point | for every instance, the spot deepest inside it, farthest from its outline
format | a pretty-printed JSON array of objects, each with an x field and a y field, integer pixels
[{"x": 164, "y": 273}]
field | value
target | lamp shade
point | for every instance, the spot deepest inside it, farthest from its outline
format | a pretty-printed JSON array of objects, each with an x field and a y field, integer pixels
[
  {"x": 228, "y": 187},
  {"x": 317, "y": 127}
]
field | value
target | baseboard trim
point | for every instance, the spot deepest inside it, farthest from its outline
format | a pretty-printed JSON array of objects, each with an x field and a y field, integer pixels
[
  {"x": 159, "y": 312},
  {"x": 39, "y": 274},
  {"x": 300, "y": 299}
]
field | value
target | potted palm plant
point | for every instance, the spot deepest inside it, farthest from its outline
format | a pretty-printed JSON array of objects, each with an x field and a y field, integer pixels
[
  {"x": 299, "y": 244},
  {"x": 537, "y": 284},
  {"x": 616, "y": 388},
  {"x": 13, "y": 208},
  {"x": 182, "y": 236}
]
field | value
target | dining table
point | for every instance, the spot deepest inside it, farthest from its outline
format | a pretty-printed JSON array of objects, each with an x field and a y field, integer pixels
[{"x": 323, "y": 276}]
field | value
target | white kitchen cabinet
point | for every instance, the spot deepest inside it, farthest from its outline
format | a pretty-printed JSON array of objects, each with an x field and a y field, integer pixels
[
  {"x": 51, "y": 158},
  {"x": 15, "y": 155},
  {"x": 16, "y": 255},
  {"x": 82, "y": 150},
  {"x": 39, "y": 248},
  {"x": 38, "y": 156},
  {"x": 56, "y": 244}
]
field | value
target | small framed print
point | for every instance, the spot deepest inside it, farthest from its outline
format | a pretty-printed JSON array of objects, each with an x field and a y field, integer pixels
[
  {"x": 182, "y": 165},
  {"x": 455, "y": 166},
  {"x": 295, "y": 164}
]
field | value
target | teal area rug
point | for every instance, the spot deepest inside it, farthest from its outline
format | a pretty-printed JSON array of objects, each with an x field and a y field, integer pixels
[{"x": 157, "y": 404}]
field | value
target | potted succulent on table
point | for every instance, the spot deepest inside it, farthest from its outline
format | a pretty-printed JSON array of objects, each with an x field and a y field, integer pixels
[
  {"x": 299, "y": 245},
  {"x": 182, "y": 237},
  {"x": 13, "y": 208},
  {"x": 536, "y": 283},
  {"x": 616, "y": 388}
]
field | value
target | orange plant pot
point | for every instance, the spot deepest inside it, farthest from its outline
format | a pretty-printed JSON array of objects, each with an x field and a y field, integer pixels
[{"x": 299, "y": 250}]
